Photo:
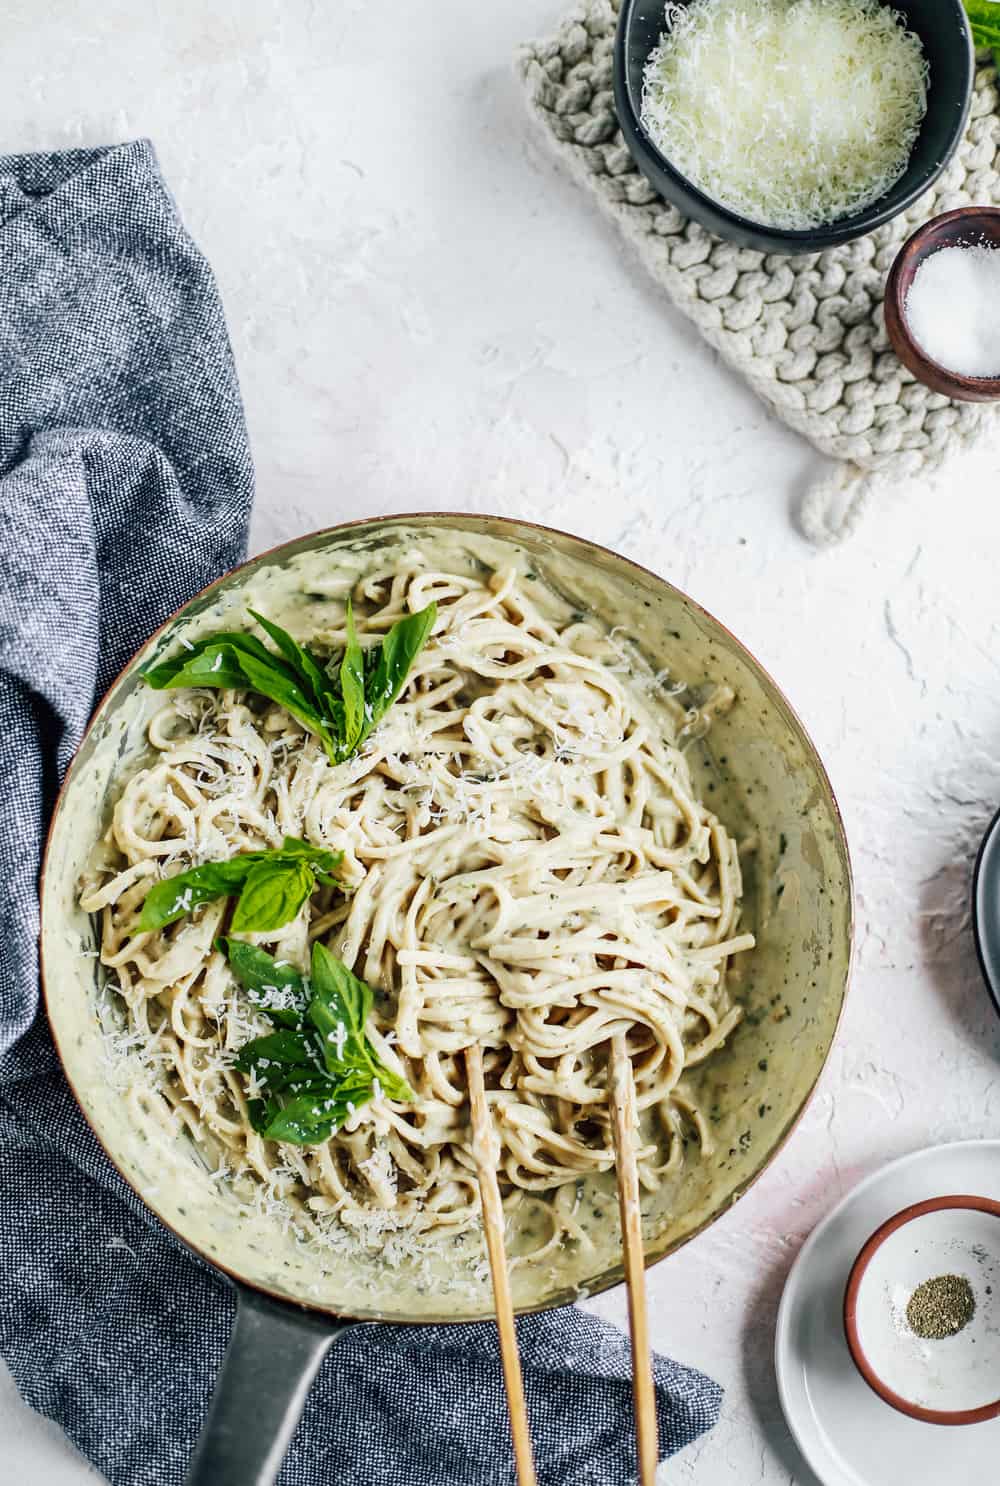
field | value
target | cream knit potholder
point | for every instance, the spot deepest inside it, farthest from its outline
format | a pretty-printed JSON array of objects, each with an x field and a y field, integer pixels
[{"x": 807, "y": 333}]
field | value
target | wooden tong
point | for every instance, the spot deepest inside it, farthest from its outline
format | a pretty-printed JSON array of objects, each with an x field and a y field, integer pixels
[
  {"x": 484, "y": 1150},
  {"x": 621, "y": 1085},
  {"x": 625, "y": 1123}
]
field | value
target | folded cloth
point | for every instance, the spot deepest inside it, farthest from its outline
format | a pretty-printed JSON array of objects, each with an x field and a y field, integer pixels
[{"x": 125, "y": 486}]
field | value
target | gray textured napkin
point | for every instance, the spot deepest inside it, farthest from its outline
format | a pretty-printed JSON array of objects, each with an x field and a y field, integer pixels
[{"x": 125, "y": 486}]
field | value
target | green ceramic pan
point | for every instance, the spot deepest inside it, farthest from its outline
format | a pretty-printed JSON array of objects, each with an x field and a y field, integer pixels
[{"x": 765, "y": 779}]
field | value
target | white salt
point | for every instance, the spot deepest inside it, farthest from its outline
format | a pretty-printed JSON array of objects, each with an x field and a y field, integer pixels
[{"x": 953, "y": 309}]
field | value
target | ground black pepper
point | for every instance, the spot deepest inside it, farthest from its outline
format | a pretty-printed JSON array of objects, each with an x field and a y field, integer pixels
[{"x": 941, "y": 1307}]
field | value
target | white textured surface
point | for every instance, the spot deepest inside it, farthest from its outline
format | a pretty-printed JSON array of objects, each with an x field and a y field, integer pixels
[{"x": 426, "y": 314}]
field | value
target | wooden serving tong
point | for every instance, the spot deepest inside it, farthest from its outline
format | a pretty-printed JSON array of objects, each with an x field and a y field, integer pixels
[{"x": 621, "y": 1084}]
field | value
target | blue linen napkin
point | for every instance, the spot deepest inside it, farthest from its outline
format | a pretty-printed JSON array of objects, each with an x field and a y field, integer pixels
[{"x": 125, "y": 486}]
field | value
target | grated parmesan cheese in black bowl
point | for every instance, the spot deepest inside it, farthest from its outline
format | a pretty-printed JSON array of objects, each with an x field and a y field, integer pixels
[{"x": 792, "y": 125}]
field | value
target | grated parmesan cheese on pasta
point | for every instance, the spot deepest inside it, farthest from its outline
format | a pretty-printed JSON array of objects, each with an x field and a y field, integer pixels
[{"x": 793, "y": 113}]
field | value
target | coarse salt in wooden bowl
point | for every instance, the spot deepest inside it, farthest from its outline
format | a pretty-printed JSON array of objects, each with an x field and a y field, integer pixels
[{"x": 968, "y": 226}]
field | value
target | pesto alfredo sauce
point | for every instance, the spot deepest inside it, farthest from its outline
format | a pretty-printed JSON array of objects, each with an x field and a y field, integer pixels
[{"x": 528, "y": 866}]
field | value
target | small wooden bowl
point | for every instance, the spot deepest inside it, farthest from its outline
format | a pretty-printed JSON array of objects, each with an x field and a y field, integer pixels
[{"x": 967, "y": 226}]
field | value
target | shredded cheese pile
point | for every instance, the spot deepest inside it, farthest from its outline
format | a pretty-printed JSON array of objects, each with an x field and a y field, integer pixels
[{"x": 793, "y": 113}]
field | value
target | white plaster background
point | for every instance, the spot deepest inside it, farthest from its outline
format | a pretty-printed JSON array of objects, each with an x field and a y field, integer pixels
[{"x": 426, "y": 315}]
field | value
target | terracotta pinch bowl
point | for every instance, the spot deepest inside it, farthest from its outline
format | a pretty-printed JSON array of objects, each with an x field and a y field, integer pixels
[{"x": 951, "y": 1380}]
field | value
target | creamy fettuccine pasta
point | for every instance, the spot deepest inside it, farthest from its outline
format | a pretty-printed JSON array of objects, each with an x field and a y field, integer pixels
[{"x": 526, "y": 866}]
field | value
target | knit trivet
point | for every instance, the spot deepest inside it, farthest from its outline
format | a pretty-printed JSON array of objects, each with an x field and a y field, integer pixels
[{"x": 807, "y": 333}]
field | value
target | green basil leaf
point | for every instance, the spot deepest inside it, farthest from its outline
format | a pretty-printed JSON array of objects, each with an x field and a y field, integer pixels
[
  {"x": 294, "y": 861},
  {"x": 256, "y": 970},
  {"x": 292, "y": 849},
  {"x": 176, "y": 896},
  {"x": 337, "y": 725},
  {"x": 984, "y": 18},
  {"x": 392, "y": 1086},
  {"x": 241, "y": 662},
  {"x": 283, "y": 1049},
  {"x": 214, "y": 664},
  {"x": 311, "y": 1116},
  {"x": 310, "y": 673},
  {"x": 340, "y": 713},
  {"x": 308, "y": 1129},
  {"x": 339, "y": 1010},
  {"x": 246, "y": 644},
  {"x": 352, "y": 688},
  {"x": 320, "y": 1066},
  {"x": 393, "y": 660},
  {"x": 273, "y": 894},
  {"x": 266, "y": 678},
  {"x": 202, "y": 657},
  {"x": 164, "y": 672},
  {"x": 267, "y": 982}
]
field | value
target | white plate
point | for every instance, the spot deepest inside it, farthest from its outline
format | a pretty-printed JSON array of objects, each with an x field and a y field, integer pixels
[{"x": 846, "y": 1433}]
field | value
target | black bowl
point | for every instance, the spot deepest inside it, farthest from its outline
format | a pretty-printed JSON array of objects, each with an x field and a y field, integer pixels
[
  {"x": 986, "y": 908},
  {"x": 944, "y": 31}
]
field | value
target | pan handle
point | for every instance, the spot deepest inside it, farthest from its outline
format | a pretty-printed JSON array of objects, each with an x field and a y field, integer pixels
[{"x": 273, "y": 1355}]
